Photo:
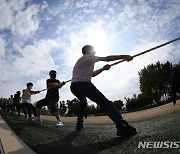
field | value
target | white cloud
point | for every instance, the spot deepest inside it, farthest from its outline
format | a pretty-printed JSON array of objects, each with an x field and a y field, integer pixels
[
  {"x": 123, "y": 79},
  {"x": 35, "y": 58},
  {"x": 25, "y": 22},
  {"x": 2, "y": 47},
  {"x": 93, "y": 34},
  {"x": 21, "y": 20},
  {"x": 28, "y": 66},
  {"x": 107, "y": 25}
]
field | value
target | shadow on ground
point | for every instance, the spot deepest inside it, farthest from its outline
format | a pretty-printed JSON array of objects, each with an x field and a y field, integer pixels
[{"x": 94, "y": 139}]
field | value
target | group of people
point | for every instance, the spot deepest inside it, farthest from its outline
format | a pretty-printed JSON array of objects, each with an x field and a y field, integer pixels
[
  {"x": 81, "y": 87},
  {"x": 17, "y": 102}
]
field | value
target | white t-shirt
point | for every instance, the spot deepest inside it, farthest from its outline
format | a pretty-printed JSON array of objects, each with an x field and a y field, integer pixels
[
  {"x": 11, "y": 101},
  {"x": 83, "y": 69},
  {"x": 26, "y": 96}
]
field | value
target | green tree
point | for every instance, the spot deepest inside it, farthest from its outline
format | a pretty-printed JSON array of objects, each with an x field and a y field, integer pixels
[
  {"x": 63, "y": 107},
  {"x": 119, "y": 104},
  {"x": 154, "y": 82},
  {"x": 73, "y": 106}
]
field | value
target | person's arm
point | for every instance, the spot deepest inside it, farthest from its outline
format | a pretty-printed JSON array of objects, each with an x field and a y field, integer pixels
[
  {"x": 33, "y": 92},
  {"x": 59, "y": 85},
  {"x": 97, "y": 72},
  {"x": 56, "y": 85},
  {"x": 115, "y": 57},
  {"x": 49, "y": 85}
]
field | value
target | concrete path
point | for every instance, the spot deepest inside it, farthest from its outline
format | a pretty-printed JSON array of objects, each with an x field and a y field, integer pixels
[{"x": 11, "y": 143}]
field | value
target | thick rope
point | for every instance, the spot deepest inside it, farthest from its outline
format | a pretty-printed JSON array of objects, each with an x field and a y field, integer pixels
[
  {"x": 53, "y": 87},
  {"x": 146, "y": 51},
  {"x": 141, "y": 53}
]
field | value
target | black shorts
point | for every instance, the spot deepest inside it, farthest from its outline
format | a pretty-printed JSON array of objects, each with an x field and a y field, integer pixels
[{"x": 53, "y": 103}]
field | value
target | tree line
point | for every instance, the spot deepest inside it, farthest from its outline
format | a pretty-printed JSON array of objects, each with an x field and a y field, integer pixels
[
  {"x": 154, "y": 91},
  {"x": 155, "y": 86}
]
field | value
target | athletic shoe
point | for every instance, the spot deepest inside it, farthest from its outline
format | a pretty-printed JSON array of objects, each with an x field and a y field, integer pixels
[
  {"x": 59, "y": 123},
  {"x": 26, "y": 117},
  {"x": 124, "y": 129},
  {"x": 30, "y": 118},
  {"x": 36, "y": 119},
  {"x": 79, "y": 126}
]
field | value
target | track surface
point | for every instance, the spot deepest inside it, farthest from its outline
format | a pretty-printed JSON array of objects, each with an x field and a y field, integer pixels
[{"x": 94, "y": 139}]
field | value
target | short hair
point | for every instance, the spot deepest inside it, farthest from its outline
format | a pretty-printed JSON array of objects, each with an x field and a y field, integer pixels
[
  {"x": 29, "y": 84},
  {"x": 85, "y": 48},
  {"x": 52, "y": 71},
  {"x": 18, "y": 92}
]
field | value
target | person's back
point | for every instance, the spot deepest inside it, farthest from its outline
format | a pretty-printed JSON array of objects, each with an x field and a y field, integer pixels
[
  {"x": 83, "y": 68},
  {"x": 16, "y": 100},
  {"x": 26, "y": 96}
]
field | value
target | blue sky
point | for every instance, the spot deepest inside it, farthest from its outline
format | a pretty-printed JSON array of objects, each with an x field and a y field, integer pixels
[{"x": 37, "y": 36}]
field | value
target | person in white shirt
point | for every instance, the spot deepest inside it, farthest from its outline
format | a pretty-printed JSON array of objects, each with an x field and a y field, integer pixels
[
  {"x": 26, "y": 100},
  {"x": 82, "y": 87}
]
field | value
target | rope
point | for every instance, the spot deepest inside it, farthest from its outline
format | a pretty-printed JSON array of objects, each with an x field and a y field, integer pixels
[
  {"x": 146, "y": 51},
  {"x": 53, "y": 87},
  {"x": 136, "y": 55}
]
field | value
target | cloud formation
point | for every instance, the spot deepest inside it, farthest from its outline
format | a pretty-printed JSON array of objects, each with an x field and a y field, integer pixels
[{"x": 36, "y": 37}]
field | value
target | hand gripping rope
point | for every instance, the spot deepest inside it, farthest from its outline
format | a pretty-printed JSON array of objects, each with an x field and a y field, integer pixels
[
  {"x": 53, "y": 87},
  {"x": 136, "y": 55}
]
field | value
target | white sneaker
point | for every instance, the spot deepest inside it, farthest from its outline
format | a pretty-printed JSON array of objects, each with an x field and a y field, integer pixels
[
  {"x": 36, "y": 119},
  {"x": 59, "y": 123}
]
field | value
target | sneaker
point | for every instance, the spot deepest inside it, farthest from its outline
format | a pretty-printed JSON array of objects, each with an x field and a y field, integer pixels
[
  {"x": 59, "y": 123},
  {"x": 30, "y": 118},
  {"x": 124, "y": 129},
  {"x": 36, "y": 119},
  {"x": 79, "y": 126}
]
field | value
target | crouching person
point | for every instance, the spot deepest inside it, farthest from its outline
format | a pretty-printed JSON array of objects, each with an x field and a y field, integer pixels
[
  {"x": 26, "y": 100},
  {"x": 51, "y": 99}
]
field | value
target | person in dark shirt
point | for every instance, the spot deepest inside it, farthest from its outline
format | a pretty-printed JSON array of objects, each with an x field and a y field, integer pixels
[
  {"x": 4, "y": 104},
  {"x": 175, "y": 84},
  {"x": 16, "y": 101},
  {"x": 51, "y": 99},
  {"x": 10, "y": 104}
]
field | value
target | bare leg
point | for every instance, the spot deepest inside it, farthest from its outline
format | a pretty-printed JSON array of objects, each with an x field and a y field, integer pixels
[
  {"x": 56, "y": 115},
  {"x": 38, "y": 111}
]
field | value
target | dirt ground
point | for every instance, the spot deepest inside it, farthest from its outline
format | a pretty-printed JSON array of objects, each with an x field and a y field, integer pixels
[{"x": 130, "y": 117}]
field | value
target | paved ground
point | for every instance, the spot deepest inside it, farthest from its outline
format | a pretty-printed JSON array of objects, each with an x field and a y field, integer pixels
[
  {"x": 95, "y": 139},
  {"x": 11, "y": 143}
]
